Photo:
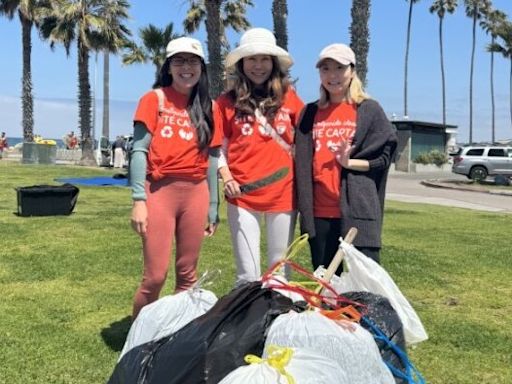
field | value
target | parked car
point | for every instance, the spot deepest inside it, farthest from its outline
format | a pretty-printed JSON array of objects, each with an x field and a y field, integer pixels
[{"x": 478, "y": 162}]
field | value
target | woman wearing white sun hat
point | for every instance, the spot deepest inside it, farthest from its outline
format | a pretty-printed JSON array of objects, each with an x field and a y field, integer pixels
[
  {"x": 173, "y": 135},
  {"x": 259, "y": 113},
  {"x": 344, "y": 147}
]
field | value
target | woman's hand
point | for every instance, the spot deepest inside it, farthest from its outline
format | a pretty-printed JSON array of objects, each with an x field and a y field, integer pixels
[
  {"x": 211, "y": 229},
  {"x": 232, "y": 188},
  {"x": 139, "y": 217},
  {"x": 342, "y": 153}
]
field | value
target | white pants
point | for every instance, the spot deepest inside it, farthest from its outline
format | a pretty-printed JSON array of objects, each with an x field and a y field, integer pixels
[
  {"x": 118, "y": 158},
  {"x": 245, "y": 234}
]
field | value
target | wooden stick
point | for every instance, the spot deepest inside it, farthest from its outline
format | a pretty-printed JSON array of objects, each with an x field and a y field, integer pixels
[{"x": 338, "y": 257}]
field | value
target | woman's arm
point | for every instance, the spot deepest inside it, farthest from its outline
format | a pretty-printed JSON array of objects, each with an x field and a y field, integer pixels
[{"x": 138, "y": 168}]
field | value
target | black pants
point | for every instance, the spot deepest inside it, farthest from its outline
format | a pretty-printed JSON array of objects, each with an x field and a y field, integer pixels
[{"x": 326, "y": 242}]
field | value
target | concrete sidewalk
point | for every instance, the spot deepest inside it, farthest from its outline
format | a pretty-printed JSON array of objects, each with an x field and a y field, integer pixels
[{"x": 447, "y": 189}]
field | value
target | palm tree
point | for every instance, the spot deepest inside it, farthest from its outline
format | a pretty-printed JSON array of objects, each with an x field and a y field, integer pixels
[
  {"x": 475, "y": 10},
  {"x": 409, "y": 20},
  {"x": 441, "y": 7},
  {"x": 490, "y": 24},
  {"x": 154, "y": 40},
  {"x": 29, "y": 11},
  {"x": 279, "y": 16},
  {"x": 105, "y": 126},
  {"x": 114, "y": 40},
  {"x": 505, "y": 34},
  {"x": 217, "y": 15},
  {"x": 360, "y": 35},
  {"x": 95, "y": 25}
]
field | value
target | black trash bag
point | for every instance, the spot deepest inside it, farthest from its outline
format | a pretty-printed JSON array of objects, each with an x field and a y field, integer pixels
[
  {"x": 210, "y": 346},
  {"x": 382, "y": 314}
]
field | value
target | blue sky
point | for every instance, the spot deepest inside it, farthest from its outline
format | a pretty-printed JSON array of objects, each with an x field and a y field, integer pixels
[{"x": 311, "y": 26}]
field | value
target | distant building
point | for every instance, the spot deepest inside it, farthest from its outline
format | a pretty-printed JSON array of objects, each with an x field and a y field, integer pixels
[{"x": 415, "y": 137}]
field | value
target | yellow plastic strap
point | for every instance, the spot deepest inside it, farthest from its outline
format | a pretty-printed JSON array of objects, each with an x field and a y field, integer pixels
[
  {"x": 296, "y": 246},
  {"x": 278, "y": 358}
]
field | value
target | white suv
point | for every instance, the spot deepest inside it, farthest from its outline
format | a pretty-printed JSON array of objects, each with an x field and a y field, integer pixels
[{"x": 479, "y": 162}]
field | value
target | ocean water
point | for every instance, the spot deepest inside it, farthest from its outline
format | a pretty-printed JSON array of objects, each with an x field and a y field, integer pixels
[{"x": 12, "y": 141}]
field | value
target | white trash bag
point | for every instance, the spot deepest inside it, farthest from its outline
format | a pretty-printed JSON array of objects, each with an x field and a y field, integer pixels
[
  {"x": 286, "y": 366},
  {"x": 347, "y": 343},
  {"x": 364, "y": 274},
  {"x": 167, "y": 315}
]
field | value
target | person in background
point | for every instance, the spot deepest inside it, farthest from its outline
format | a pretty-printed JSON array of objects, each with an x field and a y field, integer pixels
[
  {"x": 118, "y": 149},
  {"x": 173, "y": 137},
  {"x": 259, "y": 114},
  {"x": 344, "y": 147},
  {"x": 71, "y": 140},
  {"x": 3, "y": 144}
]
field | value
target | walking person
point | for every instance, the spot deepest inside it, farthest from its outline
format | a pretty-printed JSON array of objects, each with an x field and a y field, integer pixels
[
  {"x": 3, "y": 144},
  {"x": 119, "y": 151},
  {"x": 173, "y": 136},
  {"x": 259, "y": 114},
  {"x": 344, "y": 147}
]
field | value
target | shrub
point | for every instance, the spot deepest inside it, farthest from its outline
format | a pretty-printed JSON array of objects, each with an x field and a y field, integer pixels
[{"x": 433, "y": 157}]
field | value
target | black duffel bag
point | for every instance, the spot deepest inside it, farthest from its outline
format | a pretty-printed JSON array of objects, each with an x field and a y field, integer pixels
[{"x": 47, "y": 200}]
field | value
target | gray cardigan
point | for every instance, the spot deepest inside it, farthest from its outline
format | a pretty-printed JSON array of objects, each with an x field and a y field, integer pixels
[{"x": 361, "y": 193}]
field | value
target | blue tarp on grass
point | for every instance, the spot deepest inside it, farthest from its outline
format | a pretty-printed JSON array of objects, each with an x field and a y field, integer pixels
[{"x": 96, "y": 181}]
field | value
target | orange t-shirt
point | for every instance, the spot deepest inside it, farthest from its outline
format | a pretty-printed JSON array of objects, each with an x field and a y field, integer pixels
[
  {"x": 173, "y": 150},
  {"x": 335, "y": 123},
  {"x": 253, "y": 154}
]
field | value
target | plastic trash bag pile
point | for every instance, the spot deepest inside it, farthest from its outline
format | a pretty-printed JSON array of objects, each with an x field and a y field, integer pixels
[{"x": 274, "y": 331}]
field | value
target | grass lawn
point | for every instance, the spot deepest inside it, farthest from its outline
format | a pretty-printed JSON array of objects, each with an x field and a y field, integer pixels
[{"x": 67, "y": 283}]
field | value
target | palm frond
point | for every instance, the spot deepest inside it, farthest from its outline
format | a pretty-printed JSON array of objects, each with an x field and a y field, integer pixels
[{"x": 195, "y": 16}]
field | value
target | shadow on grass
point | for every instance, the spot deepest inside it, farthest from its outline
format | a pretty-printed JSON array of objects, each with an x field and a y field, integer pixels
[{"x": 115, "y": 334}]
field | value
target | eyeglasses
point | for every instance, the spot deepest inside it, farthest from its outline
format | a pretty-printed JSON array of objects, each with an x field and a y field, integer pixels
[{"x": 181, "y": 61}]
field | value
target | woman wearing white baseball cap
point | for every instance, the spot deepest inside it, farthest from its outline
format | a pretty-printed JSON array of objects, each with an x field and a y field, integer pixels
[
  {"x": 344, "y": 147},
  {"x": 259, "y": 111},
  {"x": 173, "y": 135}
]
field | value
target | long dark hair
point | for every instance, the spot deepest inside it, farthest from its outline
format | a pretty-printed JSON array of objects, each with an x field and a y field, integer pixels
[
  {"x": 269, "y": 98},
  {"x": 199, "y": 103}
]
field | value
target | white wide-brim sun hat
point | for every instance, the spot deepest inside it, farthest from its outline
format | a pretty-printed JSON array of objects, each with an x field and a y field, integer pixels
[{"x": 258, "y": 41}]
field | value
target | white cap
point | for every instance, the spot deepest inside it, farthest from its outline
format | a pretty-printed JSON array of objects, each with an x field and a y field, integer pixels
[
  {"x": 337, "y": 52},
  {"x": 184, "y": 45}
]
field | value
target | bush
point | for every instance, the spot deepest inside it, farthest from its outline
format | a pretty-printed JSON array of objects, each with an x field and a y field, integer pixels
[{"x": 433, "y": 157}]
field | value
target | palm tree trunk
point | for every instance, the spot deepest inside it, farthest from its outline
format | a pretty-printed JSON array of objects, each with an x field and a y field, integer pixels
[
  {"x": 105, "y": 130},
  {"x": 443, "y": 84},
  {"x": 84, "y": 103},
  {"x": 407, "y": 55},
  {"x": 360, "y": 35},
  {"x": 213, "y": 30},
  {"x": 471, "y": 78},
  {"x": 493, "y": 111},
  {"x": 27, "y": 100},
  {"x": 510, "y": 91},
  {"x": 279, "y": 16}
]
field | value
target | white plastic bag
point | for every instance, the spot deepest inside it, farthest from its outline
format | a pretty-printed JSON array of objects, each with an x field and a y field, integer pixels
[
  {"x": 348, "y": 344},
  {"x": 167, "y": 315},
  {"x": 364, "y": 274},
  {"x": 305, "y": 366}
]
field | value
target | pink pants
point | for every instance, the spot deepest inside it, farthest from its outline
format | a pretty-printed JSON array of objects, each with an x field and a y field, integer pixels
[{"x": 175, "y": 207}]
